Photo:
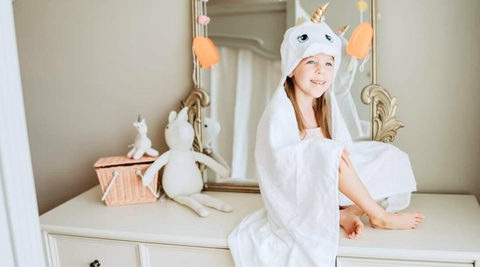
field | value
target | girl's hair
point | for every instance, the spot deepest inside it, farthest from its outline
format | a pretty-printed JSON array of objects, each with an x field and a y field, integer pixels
[{"x": 319, "y": 105}]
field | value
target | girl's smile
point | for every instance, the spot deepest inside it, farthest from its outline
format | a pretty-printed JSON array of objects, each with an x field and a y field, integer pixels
[{"x": 318, "y": 82}]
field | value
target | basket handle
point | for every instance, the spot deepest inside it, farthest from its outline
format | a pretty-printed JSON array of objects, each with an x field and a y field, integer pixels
[
  {"x": 139, "y": 173},
  {"x": 115, "y": 175}
]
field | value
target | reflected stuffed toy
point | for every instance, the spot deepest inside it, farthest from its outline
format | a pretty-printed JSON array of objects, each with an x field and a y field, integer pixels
[{"x": 211, "y": 129}]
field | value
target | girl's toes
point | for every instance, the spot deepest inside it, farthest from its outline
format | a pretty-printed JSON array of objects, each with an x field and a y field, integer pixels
[{"x": 419, "y": 215}]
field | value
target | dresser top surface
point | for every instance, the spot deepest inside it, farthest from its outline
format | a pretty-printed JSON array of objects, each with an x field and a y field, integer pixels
[{"x": 452, "y": 223}]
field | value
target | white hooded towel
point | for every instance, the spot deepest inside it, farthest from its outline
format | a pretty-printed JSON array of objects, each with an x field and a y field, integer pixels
[{"x": 298, "y": 179}]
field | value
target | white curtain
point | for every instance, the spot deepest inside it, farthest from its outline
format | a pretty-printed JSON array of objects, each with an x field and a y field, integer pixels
[{"x": 239, "y": 96}]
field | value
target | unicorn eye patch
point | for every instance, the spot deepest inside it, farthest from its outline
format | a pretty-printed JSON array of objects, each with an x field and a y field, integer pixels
[
  {"x": 329, "y": 38},
  {"x": 302, "y": 38}
]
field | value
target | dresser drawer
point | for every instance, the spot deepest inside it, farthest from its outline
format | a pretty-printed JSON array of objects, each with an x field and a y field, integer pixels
[
  {"x": 360, "y": 262},
  {"x": 79, "y": 251},
  {"x": 166, "y": 255}
]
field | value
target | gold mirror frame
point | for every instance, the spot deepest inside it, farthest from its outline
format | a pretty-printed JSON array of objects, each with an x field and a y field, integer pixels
[{"x": 384, "y": 124}]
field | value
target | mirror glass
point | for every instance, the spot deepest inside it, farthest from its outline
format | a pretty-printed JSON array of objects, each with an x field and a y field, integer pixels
[{"x": 248, "y": 35}]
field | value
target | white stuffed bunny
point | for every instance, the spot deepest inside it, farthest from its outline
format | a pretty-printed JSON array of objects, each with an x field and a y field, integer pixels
[
  {"x": 142, "y": 144},
  {"x": 182, "y": 180}
]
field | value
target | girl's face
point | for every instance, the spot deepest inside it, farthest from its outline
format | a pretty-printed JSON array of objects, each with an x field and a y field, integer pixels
[{"x": 313, "y": 75}]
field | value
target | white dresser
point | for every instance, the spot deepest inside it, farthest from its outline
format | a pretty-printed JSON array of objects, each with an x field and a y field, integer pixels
[{"x": 85, "y": 232}]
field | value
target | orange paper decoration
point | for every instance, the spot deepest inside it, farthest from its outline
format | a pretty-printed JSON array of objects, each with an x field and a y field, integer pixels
[
  {"x": 205, "y": 51},
  {"x": 360, "y": 41}
]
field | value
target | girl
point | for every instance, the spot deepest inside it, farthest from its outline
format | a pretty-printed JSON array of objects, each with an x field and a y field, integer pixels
[
  {"x": 305, "y": 88},
  {"x": 300, "y": 177}
]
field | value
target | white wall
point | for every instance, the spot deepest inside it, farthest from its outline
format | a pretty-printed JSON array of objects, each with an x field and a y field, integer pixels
[{"x": 89, "y": 67}]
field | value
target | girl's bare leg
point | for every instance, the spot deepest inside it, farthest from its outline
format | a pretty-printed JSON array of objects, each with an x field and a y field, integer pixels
[{"x": 352, "y": 187}]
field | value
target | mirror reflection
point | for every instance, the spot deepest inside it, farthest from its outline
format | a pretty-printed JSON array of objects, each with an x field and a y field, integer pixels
[{"x": 248, "y": 35}]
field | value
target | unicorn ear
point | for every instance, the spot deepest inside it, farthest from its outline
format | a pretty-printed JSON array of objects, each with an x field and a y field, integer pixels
[
  {"x": 135, "y": 124},
  {"x": 143, "y": 121},
  {"x": 300, "y": 20},
  {"x": 172, "y": 116}
]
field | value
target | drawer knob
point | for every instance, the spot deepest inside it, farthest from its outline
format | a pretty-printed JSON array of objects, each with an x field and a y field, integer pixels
[{"x": 95, "y": 263}]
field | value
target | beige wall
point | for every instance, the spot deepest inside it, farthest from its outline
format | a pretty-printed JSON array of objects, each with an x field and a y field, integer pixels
[
  {"x": 430, "y": 59},
  {"x": 89, "y": 67}
]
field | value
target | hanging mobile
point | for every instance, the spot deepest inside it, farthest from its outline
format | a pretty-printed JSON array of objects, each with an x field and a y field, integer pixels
[{"x": 203, "y": 47}]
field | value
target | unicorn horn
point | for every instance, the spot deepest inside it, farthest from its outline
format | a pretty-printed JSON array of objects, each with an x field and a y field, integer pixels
[
  {"x": 139, "y": 118},
  {"x": 319, "y": 13}
]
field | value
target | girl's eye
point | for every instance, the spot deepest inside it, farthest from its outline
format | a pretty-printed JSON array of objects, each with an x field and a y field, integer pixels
[
  {"x": 329, "y": 64},
  {"x": 310, "y": 61}
]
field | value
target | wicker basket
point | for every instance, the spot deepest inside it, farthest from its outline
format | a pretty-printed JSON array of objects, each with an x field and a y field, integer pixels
[{"x": 121, "y": 180}]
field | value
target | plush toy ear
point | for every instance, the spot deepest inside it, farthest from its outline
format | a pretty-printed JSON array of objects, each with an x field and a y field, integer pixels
[
  {"x": 135, "y": 124},
  {"x": 143, "y": 121},
  {"x": 172, "y": 116},
  {"x": 182, "y": 115}
]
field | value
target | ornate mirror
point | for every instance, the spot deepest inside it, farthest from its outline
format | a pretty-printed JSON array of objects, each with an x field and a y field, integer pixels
[{"x": 229, "y": 98}]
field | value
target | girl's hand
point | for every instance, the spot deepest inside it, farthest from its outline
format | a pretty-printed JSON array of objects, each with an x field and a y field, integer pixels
[{"x": 344, "y": 161}]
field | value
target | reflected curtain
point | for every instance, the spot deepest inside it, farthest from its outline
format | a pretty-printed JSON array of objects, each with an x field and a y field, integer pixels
[{"x": 239, "y": 96}]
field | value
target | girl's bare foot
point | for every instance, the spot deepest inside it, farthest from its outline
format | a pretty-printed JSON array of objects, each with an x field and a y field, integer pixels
[
  {"x": 397, "y": 221},
  {"x": 350, "y": 221}
]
